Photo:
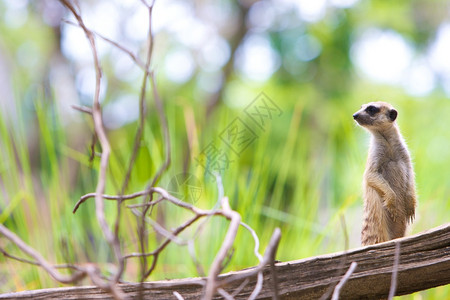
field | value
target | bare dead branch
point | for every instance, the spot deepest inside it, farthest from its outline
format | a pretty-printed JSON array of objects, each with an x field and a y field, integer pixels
[
  {"x": 331, "y": 288},
  {"x": 258, "y": 286},
  {"x": 103, "y": 139},
  {"x": 133, "y": 57},
  {"x": 269, "y": 253},
  {"x": 269, "y": 258},
  {"x": 80, "y": 271},
  {"x": 39, "y": 259},
  {"x": 142, "y": 108},
  {"x": 146, "y": 4},
  {"x": 165, "y": 128},
  {"x": 24, "y": 260},
  {"x": 273, "y": 272},
  {"x": 179, "y": 297},
  {"x": 224, "y": 294},
  {"x": 111, "y": 286},
  {"x": 162, "y": 231},
  {"x": 170, "y": 236},
  {"x": 198, "y": 215},
  {"x": 227, "y": 212},
  {"x": 240, "y": 287},
  {"x": 163, "y": 120},
  {"x": 122, "y": 48},
  {"x": 181, "y": 203},
  {"x": 394, "y": 271},
  {"x": 83, "y": 109},
  {"x": 344, "y": 279},
  {"x": 235, "y": 218},
  {"x": 177, "y": 231},
  {"x": 146, "y": 204},
  {"x": 32, "y": 262},
  {"x": 255, "y": 238},
  {"x": 164, "y": 194},
  {"x": 108, "y": 197}
]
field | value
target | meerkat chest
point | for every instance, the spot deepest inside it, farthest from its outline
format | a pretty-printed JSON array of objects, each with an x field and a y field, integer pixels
[{"x": 391, "y": 164}]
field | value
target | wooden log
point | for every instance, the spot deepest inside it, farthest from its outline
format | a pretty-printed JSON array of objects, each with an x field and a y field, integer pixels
[{"x": 424, "y": 263}]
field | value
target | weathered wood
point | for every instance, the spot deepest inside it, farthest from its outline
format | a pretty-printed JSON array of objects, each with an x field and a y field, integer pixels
[{"x": 424, "y": 263}]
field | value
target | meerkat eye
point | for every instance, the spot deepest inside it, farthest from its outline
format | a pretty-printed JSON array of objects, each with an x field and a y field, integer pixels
[{"x": 372, "y": 110}]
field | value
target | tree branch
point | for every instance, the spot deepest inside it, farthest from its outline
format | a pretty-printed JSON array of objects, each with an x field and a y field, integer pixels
[{"x": 39, "y": 259}]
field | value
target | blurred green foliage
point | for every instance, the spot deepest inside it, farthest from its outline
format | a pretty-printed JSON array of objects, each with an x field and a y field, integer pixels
[{"x": 301, "y": 173}]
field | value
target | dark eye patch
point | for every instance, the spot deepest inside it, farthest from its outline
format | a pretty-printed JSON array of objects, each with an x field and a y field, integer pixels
[{"x": 372, "y": 110}]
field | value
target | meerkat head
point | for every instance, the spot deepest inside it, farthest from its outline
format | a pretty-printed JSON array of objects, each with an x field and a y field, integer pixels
[{"x": 376, "y": 116}]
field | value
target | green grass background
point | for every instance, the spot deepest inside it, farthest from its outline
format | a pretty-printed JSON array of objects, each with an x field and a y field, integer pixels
[{"x": 301, "y": 174}]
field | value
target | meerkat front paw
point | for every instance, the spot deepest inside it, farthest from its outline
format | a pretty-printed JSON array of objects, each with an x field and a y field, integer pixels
[
  {"x": 410, "y": 212},
  {"x": 410, "y": 206},
  {"x": 392, "y": 213},
  {"x": 390, "y": 205}
]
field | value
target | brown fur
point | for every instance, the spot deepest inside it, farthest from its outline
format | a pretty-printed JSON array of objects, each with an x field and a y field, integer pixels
[{"x": 389, "y": 191}]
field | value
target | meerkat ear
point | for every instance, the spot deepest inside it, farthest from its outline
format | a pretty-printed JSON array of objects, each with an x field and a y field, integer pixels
[{"x": 393, "y": 115}]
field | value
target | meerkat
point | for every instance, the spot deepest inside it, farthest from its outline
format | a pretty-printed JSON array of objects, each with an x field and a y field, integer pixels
[{"x": 389, "y": 189}]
